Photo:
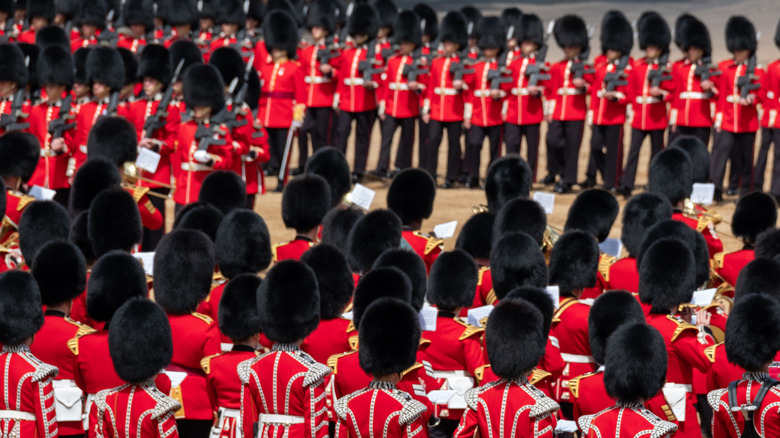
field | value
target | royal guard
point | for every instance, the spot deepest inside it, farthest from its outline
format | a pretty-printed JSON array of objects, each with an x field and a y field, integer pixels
[
  {"x": 139, "y": 17},
  {"x": 636, "y": 365},
  {"x": 14, "y": 106},
  {"x": 19, "y": 155},
  {"x": 769, "y": 108},
  {"x": 594, "y": 211},
  {"x": 511, "y": 21},
  {"x": 484, "y": 99},
  {"x": 370, "y": 236},
  {"x": 389, "y": 343},
  {"x": 641, "y": 212},
  {"x": 129, "y": 85},
  {"x": 334, "y": 276},
  {"x": 693, "y": 83},
  {"x": 443, "y": 105},
  {"x": 231, "y": 18},
  {"x": 429, "y": 23},
  {"x": 202, "y": 145},
  {"x": 241, "y": 325},
  {"x": 90, "y": 20},
  {"x": 115, "y": 278},
  {"x": 182, "y": 50},
  {"x": 399, "y": 102},
  {"x": 180, "y": 284},
  {"x": 29, "y": 408},
  {"x": 736, "y": 120},
  {"x": 358, "y": 76},
  {"x": 755, "y": 213},
  {"x": 475, "y": 238},
  {"x": 305, "y": 201},
  {"x": 524, "y": 111},
  {"x": 7, "y": 10},
  {"x": 387, "y": 11},
  {"x": 515, "y": 344},
  {"x": 671, "y": 175},
  {"x": 745, "y": 403},
  {"x": 570, "y": 327},
  {"x": 515, "y": 261},
  {"x": 182, "y": 17},
  {"x": 331, "y": 164},
  {"x": 282, "y": 101},
  {"x": 608, "y": 100},
  {"x": 650, "y": 87},
  {"x": 40, "y": 13},
  {"x": 667, "y": 279},
  {"x": 473, "y": 17},
  {"x": 82, "y": 91},
  {"x": 286, "y": 323},
  {"x": 242, "y": 246},
  {"x": 206, "y": 26}
]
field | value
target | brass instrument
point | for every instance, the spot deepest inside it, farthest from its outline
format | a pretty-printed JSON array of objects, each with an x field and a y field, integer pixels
[
  {"x": 131, "y": 175},
  {"x": 689, "y": 209}
]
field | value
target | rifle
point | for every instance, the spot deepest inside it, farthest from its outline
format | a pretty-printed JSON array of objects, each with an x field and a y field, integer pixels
[
  {"x": 745, "y": 82},
  {"x": 660, "y": 74},
  {"x": 58, "y": 126},
  {"x": 704, "y": 69},
  {"x": 230, "y": 118},
  {"x": 108, "y": 37},
  {"x": 330, "y": 51},
  {"x": 113, "y": 104},
  {"x": 366, "y": 66},
  {"x": 155, "y": 121},
  {"x": 500, "y": 74},
  {"x": 388, "y": 52},
  {"x": 417, "y": 67},
  {"x": 9, "y": 122},
  {"x": 618, "y": 77},
  {"x": 538, "y": 71},
  {"x": 458, "y": 69},
  {"x": 205, "y": 135},
  {"x": 581, "y": 67}
]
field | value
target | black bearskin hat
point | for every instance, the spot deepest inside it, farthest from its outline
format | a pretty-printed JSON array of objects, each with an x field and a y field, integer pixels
[
  {"x": 760, "y": 276},
  {"x": 653, "y": 31},
  {"x": 114, "y": 222},
  {"x": 94, "y": 13},
  {"x": 610, "y": 311},
  {"x": 334, "y": 279},
  {"x": 753, "y": 332},
  {"x": 42, "y": 222},
  {"x": 181, "y": 13},
  {"x": 525, "y": 215},
  {"x": 281, "y": 32},
  {"x": 616, "y": 33},
  {"x": 330, "y": 163},
  {"x": 203, "y": 86},
  {"x": 636, "y": 363},
  {"x": 115, "y": 278},
  {"x": 740, "y": 35},
  {"x": 700, "y": 157},
  {"x": 61, "y": 272},
  {"x": 517, "y": 261},
  {"x": 229, "y": 63},
  {"x": 288, "y": 302},
  {"x": 105, "y": 65},
  {"x": 429, "y": 20},
  {"x": 243, "y": 244},
  {"x": 231, "y": 12},
  {"x": 755, "y": 213},
  {"x": 156, "y": 64},
  {"x": 254, "y": 10},
  {"x": 139, "y": 340},
  {"x": 453, "y": 29},
  {"x": 80, "y": 64},
  {"x": 531, "y": 29},
  {"x": 113, "y": 139},
  {"x": 200, "y": 216},
  {"x": 514, "y": 339},
  {"x": 94, "y": 176},
  {"x": 574, "y": 261},
  {"x": 492, "y": 34},
  {"x": 667, "y": 275},
  {"x": 322, "y": 13},
  {"x": 372, "y": 234},
  {"x": 540, "y": 299},
  {"x": 671, "y": 175},
  {"x": 453, "y": 280},
  {"x": 52, "y": 36},
  {"x": 189, "y": 52},
  {"x": 12, "y": 64},
  {"x": 510, "y": 20},
  {"x": 363, "y": 21},
  {"x": 476, "y": 235},
  {"x": 139, "y": 12},
  {"x": 183, "y": 268},
  {"x": 223, "y": 189},
  {"x": 677, "y": 230},
  {"x": 593, "y": 211},
  {"x": 40, "y": 8},
  {"x": 305, "y": 201},
  {"x": 387, "y": 12},
  {"x": 55, "y": 66},
  {"x": 19, "y": 155},
  {"x": 642, "y": 211},
  {"x": 390, "y": 337},
  {"x": 509, "y": 177},
  {"x": 411, "y": 195},
  {"x": 238, "y": 317},
  {"x": 407, "y": 28},
  {"x": 79, "y": 235},
  {"x": 337, "y": 224},
  {"x": 681, "y": 25},
  {"x": 472, "y": 17},
  {"x": 695, "y": 34},
  {"x": 571, "y": 31},
  {"x": 292, "y": 7},
  {"x": 2, "y": 198},
  {"x": 379, "y": 283},
  {"x": 21, "y": 315},
  {"x": 410, "y": 264},
  {"x": 768, "y": 244}
]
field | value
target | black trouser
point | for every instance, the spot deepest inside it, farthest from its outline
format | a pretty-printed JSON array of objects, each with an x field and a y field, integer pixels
[
  {"x": 403, "y": 156},
  {"x": 563, "y": 148},
  {"x": 767, "y": 138},
  {"x": 606, "y": 153},
  {"x": 152, "y": 237},
  {"x": 774, "y": 187},
  {"x": 474, "y": 141},
  {"x": 637, "y": 138},
  {"x": 454, "y": 151},
  {"x": 276, "y": 142},
  {"x": 423, "y": 139},
  {"x": 364, "y": 121},
  {"x": 739, "y": 147},
  {"x": 513, "y": 137},
  {"x": 702, "y": 133},
  {"x": 194, "y": 428},
  {"x": 315, "y": 129}
]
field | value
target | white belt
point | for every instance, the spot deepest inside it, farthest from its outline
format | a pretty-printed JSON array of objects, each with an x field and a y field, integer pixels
[
  {"x": 482, "y": 93},
  {"x": 229, "y": 413},
  {"x": 570, "y": 91},
  {"x": 48, "y": 153},
  {"x": 648, "y": 99},
  {"x": 448, "y": 374},
  {"x": 685, "y": 95},
  {"x": 402, "y": 86},
  {"x": 194, "y": 167},
  {"x": 520, "y": 91},
  {"x": 577, "y": 358},
  {"x": 16, "y": 415},
  {"x": 687, "y": 387},
  {"x": 63, "y": 383},
  {"x": 354, "y": 81},
  {"x": 445, "y": 91},
  {"x": 316, "y": 80},
  {"x": 732, "y": 98},
  {"x": 280, "y": 419}
]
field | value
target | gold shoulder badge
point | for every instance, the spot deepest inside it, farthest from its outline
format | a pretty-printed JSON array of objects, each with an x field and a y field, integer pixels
[
  {"x": 710, "y": 352},
  {"x": 139, "y": 192},
  {"x": 482, "y": 271},
  {"x": 479, "y": 373},
  {"x": 717, "y": 260},
  {"x": 411, "y": 368},
  {"x": 574, "y": 386},
  {"x": 333, "y": 360},
  {"x": 540, "y": 375},
  {"x": 703, "y": 223},
  {"x": 351, "y": 327},
  {"x": 491, "y": 297},
  {"x": 424, "y": 342},
  {"x": 681, "y": 327},
  {"x": 605, "y": 261},
  {"x": 470, "y": 331},
  {"x": 353, "y": 342},
  {"x": 205, "y": 363},
  {"x": 568, "y": 302},
  {"x": 73, "y": 343},
  {"x": 23, "y": 201},
  {"x": 202, "y": 317}
]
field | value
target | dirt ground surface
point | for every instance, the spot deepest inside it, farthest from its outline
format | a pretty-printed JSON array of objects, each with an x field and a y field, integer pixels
[{"x": 457, "y": 204}]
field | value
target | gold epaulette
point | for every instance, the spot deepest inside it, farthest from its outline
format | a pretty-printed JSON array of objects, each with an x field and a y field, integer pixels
[
  {"x": 710, "y": 352},
  {"x": 605, "y": 261},
  {"x": 479, "y": 373},
  {"x": 139, "y": 192},
  {"x": 333, "y": 360},
  {"x": 23, "y": 200},
  {"x": 73, "y": 343},
  {"x": 408, "y": 370},
  {"x": 353, "y": 342},
  {"x": 482, "y": 271},
  {"x": 205, "y": 363},
  {"x": 681, "y": 326},
  {"x": 574, "y": 386},
  {"x": 568, "y": 302},
  {"x": 717, "y": 260},
  {"x": 423, "y": 342},
  {"x": 469, "y": 331},
  {"x": 274, "y": 247},
  {"x": 703, "y": 223},
  {"x": 668, "y": 410},
  {"x": 431, "y": 243},
  {"x": 351, "y": 327},
  {"x": 539, "y": 375},
  {"x": 203, "y": 317},
  {"x": 491, "y": 297}
]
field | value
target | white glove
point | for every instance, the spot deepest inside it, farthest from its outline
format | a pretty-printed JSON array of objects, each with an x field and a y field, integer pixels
[{"x": 201, "y": 157}]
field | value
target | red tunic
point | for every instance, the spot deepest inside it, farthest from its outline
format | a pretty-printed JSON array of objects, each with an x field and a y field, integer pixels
[
  {"x": 380, "y": 410},
  {"x": 76, "y": 139},
  {"x": 721, "y": 371},
  {"x": 625, "y": 419},
  {"x": 567, "y": 102},
  {"x": 623, "y": 274},
  {"x": 394, "y": 93},
  {"x": 244, "y": 142},
  {"x": 191, "y": 174},
  {"x": 570, "y": 327},
  {"x": 284, "y": 382},
  {"x": 6, "y": 106},
  {"x": 151, "y": 217},
  {"x": 605, "y": 261},
  {"x": 604, "y": 111},
  {"x": 131, "y": 43},
  {"x": 29, "y": 398},
  {"x": 522, "y": 108},
  {"x": 353, "y": 96},
  {"x": 319, "y": 88},
  {"x": 771, "y": 92},
  {"x": 508, "y": 408},
  {"x": 729, "y": 424},
  {"x": 486, "y": 111},
  {"x": 444, "y": 102},
  {"x": 282, "y": 89},
  {"x": 691, "y": 106},
  {"x": 728, "y": 265},
  {"x": 731, "y": 116},
  {"x": 210, "y": 306},
  {"x": 427, "y": 247},
  {"x": 705, "y": 227},
  {"x": 135, "y": 411},
  {"x": 165, "y": 137},
  {"x": 484, "y": 294},
  {"x": 224, "y": 388},
  {"x": 51, "y": 170},
  {"x": 649, "y": 111},
  {"x": 768, "y": 415},
  {"x": 332, "y": 336},
  {"x": 15, "y": 203},
  {"x": 292, "y": 250}
]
